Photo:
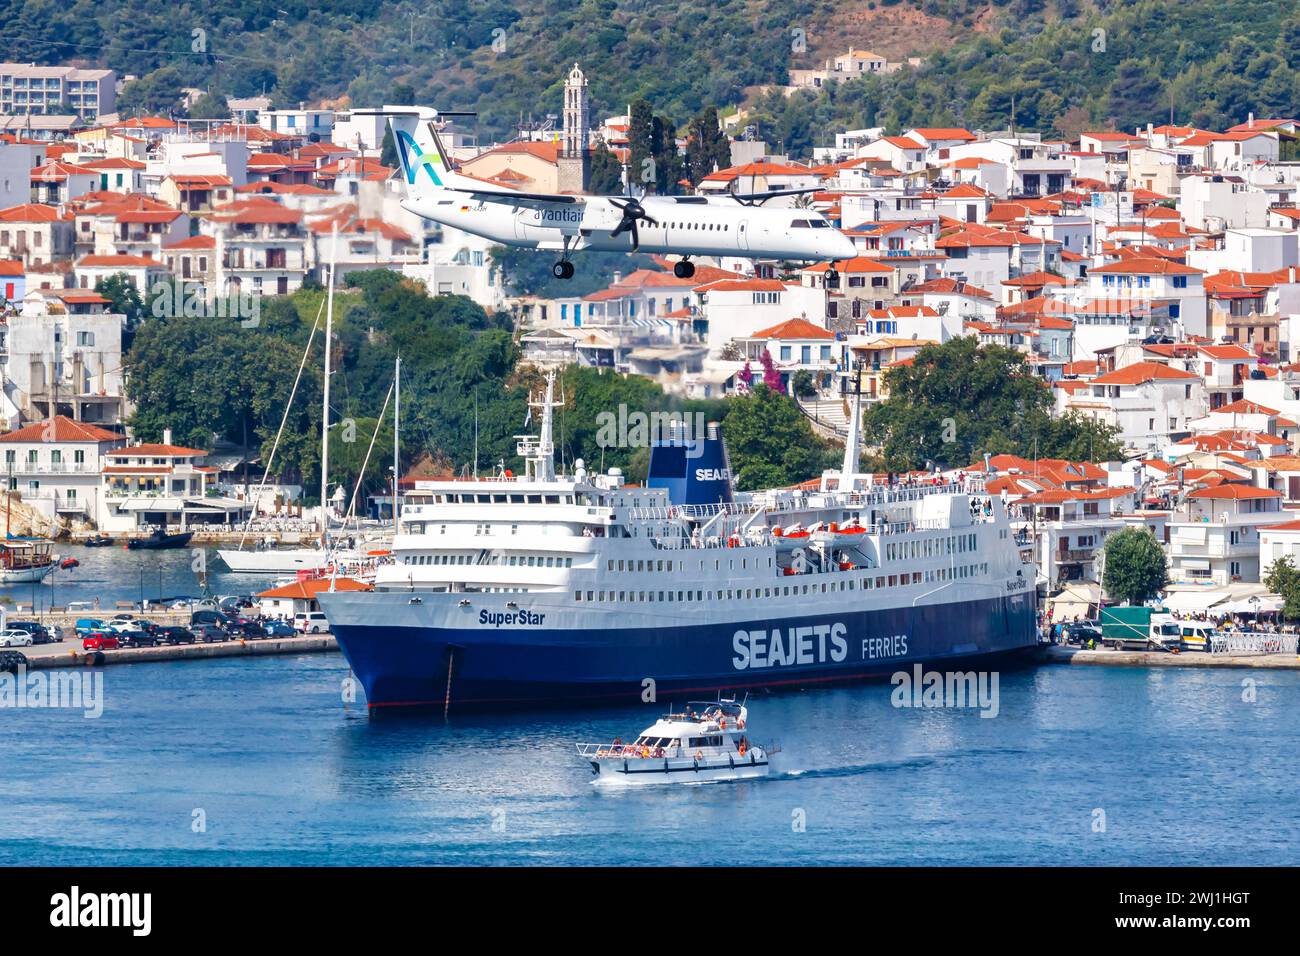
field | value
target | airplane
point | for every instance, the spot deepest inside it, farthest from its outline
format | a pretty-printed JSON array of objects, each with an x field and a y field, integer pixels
[{"x": 731, "y": 225}]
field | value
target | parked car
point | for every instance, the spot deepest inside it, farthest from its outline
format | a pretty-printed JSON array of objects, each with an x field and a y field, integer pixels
[
  {"x": 12, "y": 637},
  {"x": 245, "y": 628},
  {"x": 85, "y": 625},
  {"x": 1081, "y": 634},
  {"x": 175, "y": 635},
  {"x": 214, "y": 618},
  {"x": 209, "y": 634},
  {"x": 100, "y": 641},
  {"x": 136, "y": 639},
  {"x": 39, "y": 632},
  {"x": 276, "y": 628},
  {"x": 310, "y": 622}
]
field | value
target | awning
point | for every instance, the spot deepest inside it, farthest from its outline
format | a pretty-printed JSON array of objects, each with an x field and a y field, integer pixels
[
  {"x": 1199, "y": 600},
  {"x": 1261, "y": 604},
  {"x": 152, "y": 504}
]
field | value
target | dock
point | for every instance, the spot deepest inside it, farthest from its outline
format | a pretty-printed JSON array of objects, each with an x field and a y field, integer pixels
[
  {"x": 68, "y": 653},
  {"x": 1105, "y": 657}
]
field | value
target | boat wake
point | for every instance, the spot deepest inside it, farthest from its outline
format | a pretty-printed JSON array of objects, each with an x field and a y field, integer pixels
[{"x": 917, "y": 762}]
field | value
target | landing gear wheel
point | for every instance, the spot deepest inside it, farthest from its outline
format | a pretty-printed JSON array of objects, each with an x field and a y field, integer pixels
[
  {"x": 562, "y": 270},
  {"x": 683, "y": 269},
  {"x": 832, "y": 279}
]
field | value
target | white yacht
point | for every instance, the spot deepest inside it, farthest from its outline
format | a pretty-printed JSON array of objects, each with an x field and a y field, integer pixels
[{"x": 702, "y": 742}]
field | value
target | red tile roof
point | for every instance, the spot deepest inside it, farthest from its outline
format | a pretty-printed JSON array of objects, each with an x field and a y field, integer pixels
[
  {"x": 61, "y": 429},
  {"x": 156, "y": 451},
  {"x": 795, "y": 329},
  {"x": 1235, "y": 492},
  {"x": 302, "y": 590},
  {"x": 1140, "y": 372}
]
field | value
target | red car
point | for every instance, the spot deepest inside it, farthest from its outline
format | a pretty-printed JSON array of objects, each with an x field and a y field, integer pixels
[{"x": 100, "y": 641}]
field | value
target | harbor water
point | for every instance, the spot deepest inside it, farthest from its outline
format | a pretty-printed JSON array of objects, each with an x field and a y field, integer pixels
[{"x": 261, "y": 761}]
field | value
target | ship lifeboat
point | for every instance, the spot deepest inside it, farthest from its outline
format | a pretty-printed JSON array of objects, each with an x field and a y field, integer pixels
[
  {"x": 840, "y": 535},
  {"x": 795, "y": 536}
]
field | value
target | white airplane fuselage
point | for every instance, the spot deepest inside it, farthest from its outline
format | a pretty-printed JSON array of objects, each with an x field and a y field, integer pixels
[{"x": 684, "y": 225}]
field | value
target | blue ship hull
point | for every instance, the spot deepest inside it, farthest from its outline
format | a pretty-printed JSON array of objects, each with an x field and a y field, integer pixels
[{"x": 496, "y": 666}]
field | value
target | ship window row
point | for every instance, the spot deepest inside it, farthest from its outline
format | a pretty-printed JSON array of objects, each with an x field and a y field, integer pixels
[
  {"x": 657, "y": 565},
  {"x": 882, "y": 581},
  {"x": 509, "y": 560},
  {"x": 484, "y": 498},
  {"x": 930, "y": 547}
]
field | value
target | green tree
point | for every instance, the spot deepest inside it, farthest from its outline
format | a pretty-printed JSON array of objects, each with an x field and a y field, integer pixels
[
  {"x": 388, "y": 150},
  {"x": 1283, "y": 579},
  {"x": 707, "y": 147},
  {"x": 1135, "y": 566},
  {"x": 959, "y": 400},
  {"x": 159, "y": 92},
  {"x": 606, "y": 172},
  {"x": 770, "y": 442},
  {"x": 210, "y": 106},
  {"x": 123, "y": 297}
]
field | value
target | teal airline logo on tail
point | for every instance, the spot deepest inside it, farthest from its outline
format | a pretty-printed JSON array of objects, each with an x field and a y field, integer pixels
[{"x": 413, "y": 157}]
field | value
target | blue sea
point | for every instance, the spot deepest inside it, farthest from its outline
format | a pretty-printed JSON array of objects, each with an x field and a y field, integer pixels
[{"x": 259, "y": 761}]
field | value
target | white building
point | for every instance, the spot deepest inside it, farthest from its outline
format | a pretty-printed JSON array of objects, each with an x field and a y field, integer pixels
[
  {"x": 55, "y": 466},
  {"x": 1214, "y": 538}
]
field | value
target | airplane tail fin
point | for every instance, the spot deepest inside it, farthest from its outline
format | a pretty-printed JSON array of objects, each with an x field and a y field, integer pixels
[{"x": 426, "y": 166}]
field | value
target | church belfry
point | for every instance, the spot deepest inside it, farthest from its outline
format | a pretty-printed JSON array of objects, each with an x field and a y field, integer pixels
[{"x": 574, "y": 161}]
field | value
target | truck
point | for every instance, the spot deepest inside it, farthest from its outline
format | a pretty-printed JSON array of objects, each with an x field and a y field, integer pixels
[{"x": 1140, "y": 629}]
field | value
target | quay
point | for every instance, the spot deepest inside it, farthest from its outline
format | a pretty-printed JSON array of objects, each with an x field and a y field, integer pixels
[
  {"x": 69, "y": 653},
  {"x": 1105, "y": 657}
]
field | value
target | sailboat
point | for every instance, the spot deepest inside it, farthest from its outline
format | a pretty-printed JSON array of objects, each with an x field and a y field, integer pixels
[{"x": 313, "y": 560}]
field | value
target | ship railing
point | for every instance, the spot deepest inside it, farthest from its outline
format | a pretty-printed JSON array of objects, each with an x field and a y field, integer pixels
[
  {"x": 620, "y": 749},
  {"x": 1253, "y": 643}
]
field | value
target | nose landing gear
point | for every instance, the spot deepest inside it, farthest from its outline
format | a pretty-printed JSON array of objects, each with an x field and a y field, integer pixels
[
  {"x": 683, "y": 269},
  {"x": 832, "y": 277},
  {"x": 562, "y": 269}
]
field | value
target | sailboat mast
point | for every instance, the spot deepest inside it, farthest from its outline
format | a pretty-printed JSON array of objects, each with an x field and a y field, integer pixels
[
  {"x": 325, "y": 392},
  {"x": 397, "y": 440}
]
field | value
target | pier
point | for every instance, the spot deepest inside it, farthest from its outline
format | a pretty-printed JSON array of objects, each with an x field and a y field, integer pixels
[
  {"x": 1104, "y": 657},
  {"x": 68, "y": 653}
]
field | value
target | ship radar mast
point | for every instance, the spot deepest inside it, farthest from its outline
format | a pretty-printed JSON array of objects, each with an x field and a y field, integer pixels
[
  {"x": 539, "y": 452},
  {"x": 852, "y": 442}
]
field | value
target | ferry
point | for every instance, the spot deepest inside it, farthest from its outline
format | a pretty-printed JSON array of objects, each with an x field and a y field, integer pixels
[
  {"x": 703, "y": 742},
  {"x": 543, "y": 589}
]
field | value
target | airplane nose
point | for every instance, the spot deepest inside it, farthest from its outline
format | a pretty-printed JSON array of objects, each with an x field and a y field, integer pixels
[{"x": 843, "y": 247}]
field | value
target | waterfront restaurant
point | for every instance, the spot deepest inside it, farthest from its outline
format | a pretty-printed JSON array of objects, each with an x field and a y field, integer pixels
[{"x": 164, "y": 485}]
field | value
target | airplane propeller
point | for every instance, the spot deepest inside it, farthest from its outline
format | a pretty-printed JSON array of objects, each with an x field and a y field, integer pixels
[{"x": 632, "y": 211}]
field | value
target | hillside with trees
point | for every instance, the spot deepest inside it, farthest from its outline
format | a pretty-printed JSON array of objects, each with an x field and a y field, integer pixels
[{"x": 1065, "y": 63}]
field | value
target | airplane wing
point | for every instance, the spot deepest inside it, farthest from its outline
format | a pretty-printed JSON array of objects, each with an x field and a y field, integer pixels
[
  {"x": 514, "y": 198},
  {"x": 771, "y": 193}
]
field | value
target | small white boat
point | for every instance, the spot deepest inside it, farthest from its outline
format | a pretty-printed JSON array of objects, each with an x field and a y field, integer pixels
[{"x": 703, "y": 742}]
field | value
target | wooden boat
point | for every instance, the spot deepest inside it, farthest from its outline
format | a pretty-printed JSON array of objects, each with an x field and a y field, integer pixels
[{"x": 25, "y": 559}]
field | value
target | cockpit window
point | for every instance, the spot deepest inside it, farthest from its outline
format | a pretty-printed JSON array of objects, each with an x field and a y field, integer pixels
[
  {"x": 820, "y": 224},
  {"x": 800, "y": 224}
]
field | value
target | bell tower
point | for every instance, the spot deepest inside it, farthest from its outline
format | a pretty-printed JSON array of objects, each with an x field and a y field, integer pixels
[{"x": 574, "y": 170}]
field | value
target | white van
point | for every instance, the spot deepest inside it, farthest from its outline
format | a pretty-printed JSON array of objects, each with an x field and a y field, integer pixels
[{"x": 311, "y": 622}]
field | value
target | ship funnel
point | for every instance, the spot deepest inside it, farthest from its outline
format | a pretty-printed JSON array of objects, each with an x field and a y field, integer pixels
[{"x": 688, "y": 458}]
